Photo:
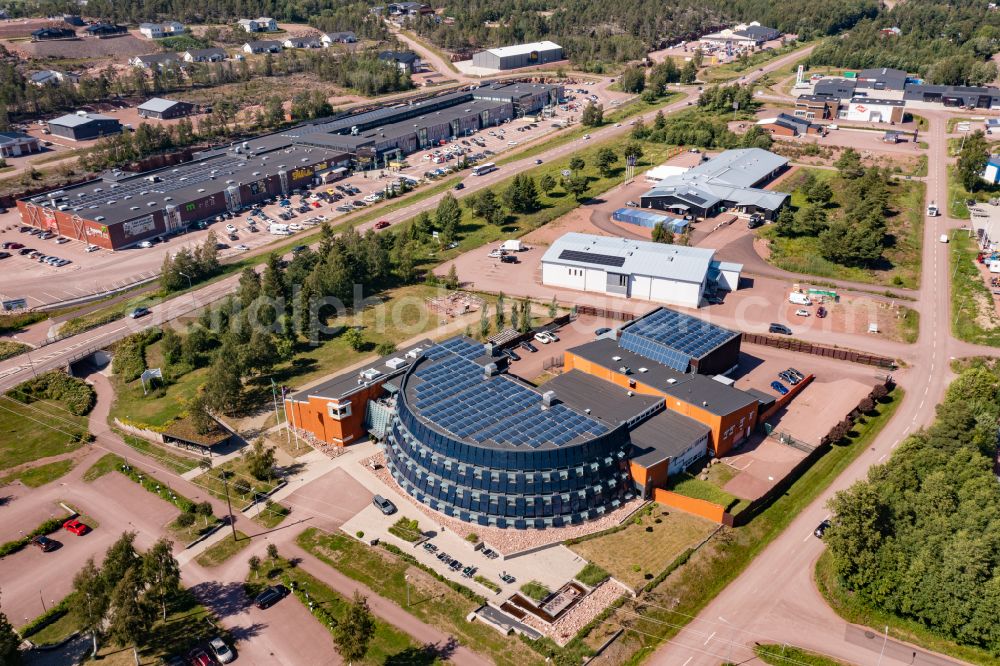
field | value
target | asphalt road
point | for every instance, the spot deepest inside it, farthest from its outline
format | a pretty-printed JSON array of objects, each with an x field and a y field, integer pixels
[{"x": 775, "y": 599}]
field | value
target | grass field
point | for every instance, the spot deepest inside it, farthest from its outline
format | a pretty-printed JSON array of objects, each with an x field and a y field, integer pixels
[
  {"x": 690, "y": 485},
  {"x": 34, "y": 477},
  {"x": 691, "y": 587},
  {"x": 388, "y": 646},
  {"x": 905, "y": 224},
  {"x": 647, "y": 545},
  {"x": 783, "y": 655},
  {"x": 28, "y": 432},
  {"x": 9, "y": 348},
  {"x": 974, "y": 317},
  {"x": 431, "y": 601},
  {"x": 221, "y": 551}
]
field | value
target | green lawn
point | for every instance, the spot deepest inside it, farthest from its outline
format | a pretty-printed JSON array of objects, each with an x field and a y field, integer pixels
[
  {"x": 178, "y": 462},
  {"x": 109, "y": 462},
  {"x": 647, "y": 545},
  {"x": 853, "y": 610},
  {"x": 957, "y": 196},
  {"x": 38, "y": 430},
  {"x": 221, "y": 551},
  {"x": 388, "y": 646},
  {"x": 431, "y": 601},
  {"x": 690, "y": 485},
  {"x": 9, "y": 348},
  {"x": 691, "y": 587},
  {"x": 242, "y": 487},
  {"x": 40, "y": 475},
  {"x": 974, "y": 317},
  {"x": 801, "y": 254}
]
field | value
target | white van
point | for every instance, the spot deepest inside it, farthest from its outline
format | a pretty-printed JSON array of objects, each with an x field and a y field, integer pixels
[
  {"x": 932, "y": 211},
  {"x": 944, "y": 238},
  {"x": 799, "y": 299},
  {"x": 279, "y": 230}
]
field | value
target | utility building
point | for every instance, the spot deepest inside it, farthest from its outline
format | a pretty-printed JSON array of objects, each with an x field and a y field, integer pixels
[
  {"x": 521, "y": 55},
  {"x": 81, "y": 126}
]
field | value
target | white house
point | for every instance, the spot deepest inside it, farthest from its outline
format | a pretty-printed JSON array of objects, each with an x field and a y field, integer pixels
[
  {"x": 672, "y": 274},
  {"x": 329, "y": 38},
  {"x": 263, "y": 46},
  {"x": 52, "y": 77},
  {"x": 262, "y": 24},
  {"x": 204, "y": 55},
  {"x": 302, "y": 43},
  {"x": 160, "y": 30}
]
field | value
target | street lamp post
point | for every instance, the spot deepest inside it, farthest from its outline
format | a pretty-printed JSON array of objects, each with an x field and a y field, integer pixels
[
  {"x": 406, "y": 578},
  {"x": 27, "y": 352},
  {"x": 187, "y": 276}
]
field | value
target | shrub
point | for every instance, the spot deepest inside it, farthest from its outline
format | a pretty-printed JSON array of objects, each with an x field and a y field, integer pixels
[
  {"x": 76, "y": 394},
  {"x": 472, "y": 537},
  {"x": 592, "y": 575},
  {"x": 406, "y": 529},
  {"x": 487, "y": 583},
  {"x": 186, "y": 519},
  {"x": 130, "y": 354},
  {"x": 535, "y": 590},
  {"x": 45, "y": 619},
  {"x": 360, "y": 534}
]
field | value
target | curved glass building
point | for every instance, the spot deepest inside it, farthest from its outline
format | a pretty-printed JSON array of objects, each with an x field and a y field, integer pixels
[{"x": 488, "y": 449}]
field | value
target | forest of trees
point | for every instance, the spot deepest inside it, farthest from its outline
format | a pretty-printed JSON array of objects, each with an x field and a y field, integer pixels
[
  {"x": 856, "y": 234},
  {"x": 920, "y": 537},
  {"x": 594, "y": 32},
  {"x": 946, "y": 42}
]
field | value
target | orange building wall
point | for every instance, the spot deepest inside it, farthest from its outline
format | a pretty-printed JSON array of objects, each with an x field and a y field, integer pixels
[
  {"x": 722, "y": 439},
  {"x": 699, "y": 507},
  {"x": 313, "y": 417}
]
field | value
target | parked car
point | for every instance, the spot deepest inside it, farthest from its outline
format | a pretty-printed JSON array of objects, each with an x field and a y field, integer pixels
[
  {"x": 788, "y": 377},
  {"x": 139, "y": 312},
  {"x": 779, "y": 387},
  {"x": 779, "y": 328},
  {"x": 821, "y": 529},
  {"x": 459, "y": 186},
  {"x": 821, "y": 312},
  {"x": 511, "y": 354},
  {"x": 146, "y": 244},
  {"x": 801, "y": 312},
  {"x": 509, "y": 259},
  {"x": 4, "y": 255},
  {"x": 11, "y": 245},
  {"x": 92, "y": 248},
  {"x": 221, "y": 651},
  {"x": 61, "y": 240},
  {"x": 552, "y": 336},
  {"x": 796, "y": 373},
  {"x": 270, "y": 596},
  {"x": 44, "y": 543},
  {"x": 543, "y": 337},
  {"x": 527, "y": 346},
  {"x": 24, "y": 251},
  {"x": 76, "y": 527},
  {"x": 384, "y": 505},
  {"x": 198, "y": 657},
  {"x": 602, "y": 330},
  {"x": 632, "y": 204}
]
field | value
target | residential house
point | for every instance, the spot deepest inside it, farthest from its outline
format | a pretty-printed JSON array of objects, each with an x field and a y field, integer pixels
[
  {"x": 45, "y": 34},
  {"x": 302, "y": 43},
  {"x": 263, "y": 46},
  {"x": 160, "y": 30},
  {"x": 262, "y": 24},
  {"x": 101, "y": 30},
  {"x": 338, "y": 38},
  {"x": 407, "y": 61},
  {"x": 158, "y": 60},
  {"x": 204, "y": 55},
  {"x": 51, "y": 77},
  {"x": 407, "y": 8}
]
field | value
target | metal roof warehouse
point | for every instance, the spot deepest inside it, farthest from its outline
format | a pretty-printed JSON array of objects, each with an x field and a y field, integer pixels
[{"x": 121, "y": 209}]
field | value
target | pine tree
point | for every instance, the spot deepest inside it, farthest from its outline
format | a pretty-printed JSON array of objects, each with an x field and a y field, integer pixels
[
  {"x": 484, "y": 320},
  {"x": 130, "y": 619},
  {"x": 224, "y": 387},
  {"x": 500, "y": 316},
  {"x": 9, "y": 641},
  {"x": 354, "y": 633}
]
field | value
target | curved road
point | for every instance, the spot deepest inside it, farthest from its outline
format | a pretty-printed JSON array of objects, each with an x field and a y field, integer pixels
[{"x": 775, "y": 599}]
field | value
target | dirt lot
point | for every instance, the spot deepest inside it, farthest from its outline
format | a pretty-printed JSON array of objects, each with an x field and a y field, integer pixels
[
  {"x": 24, "y": 27},
  {"x": 114, "y": 48}
]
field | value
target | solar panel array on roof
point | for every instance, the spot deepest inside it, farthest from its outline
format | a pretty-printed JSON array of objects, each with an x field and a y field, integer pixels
[
  {"x": 455, "y": 395},
  {"x": 592, "y": 258},
  {"x": 673, "y": 338}
]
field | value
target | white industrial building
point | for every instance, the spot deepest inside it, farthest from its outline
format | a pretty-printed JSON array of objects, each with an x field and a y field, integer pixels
[
  {"x": 672, "y": 274},
  {"x": 869, "y": 110},
  {"x": 518, "y": 55},
  {"x": 660, "y": 173}
]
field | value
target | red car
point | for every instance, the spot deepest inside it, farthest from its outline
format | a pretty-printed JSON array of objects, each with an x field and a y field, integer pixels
[
  {"x": 381, "y": 224},
  {"x": 76, "y": 527},
  {"x": 198, "y": 657},
  {"x": 11, "y": 245}
]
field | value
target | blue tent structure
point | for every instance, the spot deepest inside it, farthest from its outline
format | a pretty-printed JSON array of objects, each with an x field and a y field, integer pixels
[{"x": 649, "y": 220}]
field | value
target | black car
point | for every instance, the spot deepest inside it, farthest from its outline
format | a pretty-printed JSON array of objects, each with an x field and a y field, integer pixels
[
  {"x": 299, "y": 248},
  {"x": 779, "y": 328},
  {"x": 4, "y": 255},
  {"x": 509, "y": 259},
  {"x": 602, "y": 331},
  {"x": 233, "y": 237},
  {"x": 511, "y": 354},
  {"x": 821, "y": 529},
  {"x": 384, "y": 505},
  {"x": 529, "y": 347},
  {"x": 459, "y": 186},
  {"x": 270, "y": 596},
  {"x": 25, "y": 250}
]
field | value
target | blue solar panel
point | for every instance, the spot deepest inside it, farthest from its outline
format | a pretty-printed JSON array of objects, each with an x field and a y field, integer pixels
[
  {"x": 455, "y": 394},
  {"x": 673, "y": 338}
]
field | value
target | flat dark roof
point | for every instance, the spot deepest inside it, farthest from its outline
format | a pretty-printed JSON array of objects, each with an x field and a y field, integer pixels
[
  {"x": 712, "y": 396},
  {"x": 346, "y": 383},
  {"x": 607, "y": 402},
  {"x": 665, "y": 435}
]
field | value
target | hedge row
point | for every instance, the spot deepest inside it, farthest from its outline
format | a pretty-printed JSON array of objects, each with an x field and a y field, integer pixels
[
  {"x": 45, "y": 619},
  {"x": 48, "y": 527},
  {"x": 76, "y": 394}
]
